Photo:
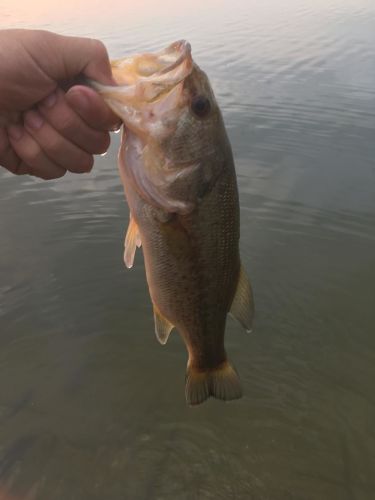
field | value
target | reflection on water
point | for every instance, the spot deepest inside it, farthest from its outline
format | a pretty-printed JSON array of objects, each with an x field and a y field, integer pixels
[{"x": 90, "y": 405}]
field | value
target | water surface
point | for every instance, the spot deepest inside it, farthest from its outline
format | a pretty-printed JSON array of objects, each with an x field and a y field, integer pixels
[{"x": 91, "y": 406}]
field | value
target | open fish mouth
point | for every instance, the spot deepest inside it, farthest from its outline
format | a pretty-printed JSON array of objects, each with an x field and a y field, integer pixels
[
  {"x": 129, "y": 70},
  {"x": 143, "y": 78}
]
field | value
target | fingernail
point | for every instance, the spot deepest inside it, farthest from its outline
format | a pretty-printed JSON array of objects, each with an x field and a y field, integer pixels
[
  {"x": 33, "y": 120},
  {"x": 50, "y": 101},
  {"x": 15, "y": 132}
]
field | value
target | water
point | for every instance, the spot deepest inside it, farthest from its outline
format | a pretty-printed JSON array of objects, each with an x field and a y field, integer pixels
[{"x": 91, "y": 406}]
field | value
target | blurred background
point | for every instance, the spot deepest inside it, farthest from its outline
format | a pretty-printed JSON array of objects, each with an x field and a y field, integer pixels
[{"x": 91, "y": 406}]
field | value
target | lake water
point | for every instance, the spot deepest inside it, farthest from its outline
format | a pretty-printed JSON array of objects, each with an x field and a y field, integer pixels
[{"x": 91, "y": 406}]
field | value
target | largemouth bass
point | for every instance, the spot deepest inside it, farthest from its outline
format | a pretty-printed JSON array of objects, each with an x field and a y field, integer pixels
[{"x": 177, "y": 168}]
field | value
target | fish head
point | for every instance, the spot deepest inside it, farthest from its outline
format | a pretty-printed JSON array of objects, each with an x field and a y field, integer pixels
[
  {"x": 193, "y": 125},
  {"x": 149, "y": 87},
  {"x": 172, "y": 126},
  {"x": 165, "y": 99}
]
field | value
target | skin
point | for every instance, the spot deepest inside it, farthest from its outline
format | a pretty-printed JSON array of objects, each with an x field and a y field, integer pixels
[
  {"x": 191, "y": 247},
  {"x": 182, "y": 258},
  {"x": 191, "y": 254},
  {"x": 190, "y": 229},
  {"x": 177, "y": 168},
  {"x": 48, "y": 123}
]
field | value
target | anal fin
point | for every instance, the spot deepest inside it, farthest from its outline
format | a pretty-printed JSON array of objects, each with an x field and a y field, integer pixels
[
  {"x": 163, "y": 327},
  {"x": 243, "y": 303},
  {"x": 132, "y": 241}
]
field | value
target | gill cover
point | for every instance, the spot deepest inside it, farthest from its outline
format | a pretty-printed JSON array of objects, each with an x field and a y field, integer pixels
[{"x": 150, "y": 87}]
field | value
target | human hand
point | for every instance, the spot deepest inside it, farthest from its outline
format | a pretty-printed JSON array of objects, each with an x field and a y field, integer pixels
[{"x": 45, "y": 131}]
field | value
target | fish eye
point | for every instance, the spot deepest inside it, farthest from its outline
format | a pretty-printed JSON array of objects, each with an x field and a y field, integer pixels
[{"x": 200, "y": 106}]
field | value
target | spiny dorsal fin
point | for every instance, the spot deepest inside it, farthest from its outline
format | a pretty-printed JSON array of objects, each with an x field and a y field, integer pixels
[
  {"x": 243, "y": 303},
  {"x": 132, "y": 241},
  {"x": 163, "y": 327}
]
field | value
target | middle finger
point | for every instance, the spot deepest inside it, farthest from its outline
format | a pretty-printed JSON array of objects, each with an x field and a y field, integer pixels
[
  {"x": 65, "y": 120},
  {"x": 55, "y": 146}
]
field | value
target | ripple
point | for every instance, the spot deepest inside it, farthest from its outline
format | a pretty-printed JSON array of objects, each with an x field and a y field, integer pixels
[{"x": 91, "y": 406}]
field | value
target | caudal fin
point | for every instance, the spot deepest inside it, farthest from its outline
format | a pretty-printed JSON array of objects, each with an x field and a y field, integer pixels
[{"x": 221, "y": 383}]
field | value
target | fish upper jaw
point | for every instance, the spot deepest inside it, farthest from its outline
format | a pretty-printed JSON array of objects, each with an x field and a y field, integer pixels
[
  {"x": 151, "y": 66},
  {"x": 150, "y": 88},
  {"x": 144, "y": 78}
]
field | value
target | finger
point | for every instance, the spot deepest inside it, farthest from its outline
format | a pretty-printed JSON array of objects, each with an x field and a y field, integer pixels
[
  {"x": 92, "y": 108},
  {"x": 58, "y": 149},
  {"x": 90, "y": 56},
  {"x": 8, "y": 158},
  {"x": 74, "y": 55},
  {"x": 31, "y": 155},
  {"x": 63, "y": 118}
]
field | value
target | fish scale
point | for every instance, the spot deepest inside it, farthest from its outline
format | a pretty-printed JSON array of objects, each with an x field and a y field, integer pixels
[{"x": 180, "y": 183}]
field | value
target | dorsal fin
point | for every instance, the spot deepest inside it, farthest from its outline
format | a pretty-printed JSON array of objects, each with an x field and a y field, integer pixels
[
  {"x": 132, "y": 241},
  {"x": 163, "y": 327},
  {"x": 243, "y": 303}
]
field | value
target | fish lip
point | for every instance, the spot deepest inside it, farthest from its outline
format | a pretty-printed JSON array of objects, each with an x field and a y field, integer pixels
[
  {"x": 169, "y": 75},
  {"x": 148, "y": 84},
  {"x": 168, "y": 59},
  {"x": 184, "y": 48},
  {"x": 173, "y": 65}
]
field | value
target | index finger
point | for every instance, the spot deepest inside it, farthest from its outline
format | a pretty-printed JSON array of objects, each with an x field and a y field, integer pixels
[{"x": 92, "y": 108}]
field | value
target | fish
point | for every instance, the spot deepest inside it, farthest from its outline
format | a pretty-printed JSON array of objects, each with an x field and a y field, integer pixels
[{"x": 177, "y": 168}]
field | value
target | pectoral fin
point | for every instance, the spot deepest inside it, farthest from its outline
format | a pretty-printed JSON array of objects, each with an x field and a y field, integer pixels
[
  {"x": 163, "y": 327},
  {"x": 132, "y": 241},
  {"x": 243, "y": 303}
]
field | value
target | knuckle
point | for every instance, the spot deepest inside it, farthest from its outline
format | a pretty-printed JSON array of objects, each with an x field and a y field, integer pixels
[
  {"x": 65, "y": 124},
  {"x": 60, "y": 117},
  {"x": 32, "y": 155},
  {"x": 28, "y": 150},
  {"x": 99, "y": 48},
  {"x": 53, "y": 147}
]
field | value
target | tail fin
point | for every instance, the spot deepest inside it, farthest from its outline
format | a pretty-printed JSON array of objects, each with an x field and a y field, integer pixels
[{"x": 221, "y": 383}]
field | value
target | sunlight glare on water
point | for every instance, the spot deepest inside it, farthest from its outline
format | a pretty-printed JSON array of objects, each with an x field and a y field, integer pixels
[{"x": 91, "y": 406}]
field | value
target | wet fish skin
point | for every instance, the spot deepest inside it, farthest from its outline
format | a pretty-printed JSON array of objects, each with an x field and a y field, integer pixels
[{"x": 180, "y": 184}]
